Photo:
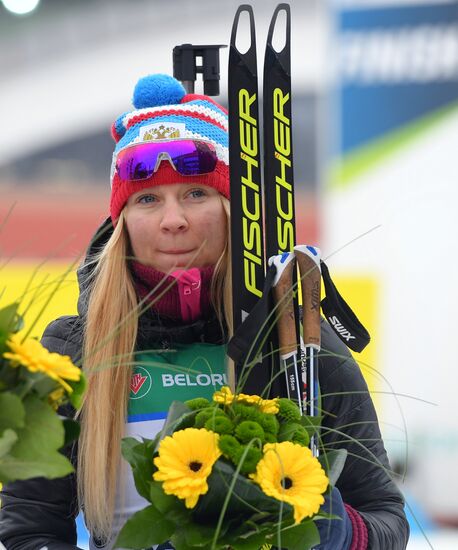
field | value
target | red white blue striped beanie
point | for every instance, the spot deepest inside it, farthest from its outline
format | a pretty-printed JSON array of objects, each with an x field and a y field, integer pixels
[{"x": 162, "y": 107}]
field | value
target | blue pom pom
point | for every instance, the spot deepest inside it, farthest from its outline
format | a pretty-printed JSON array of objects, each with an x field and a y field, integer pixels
[{"x": 157, "y": 89}]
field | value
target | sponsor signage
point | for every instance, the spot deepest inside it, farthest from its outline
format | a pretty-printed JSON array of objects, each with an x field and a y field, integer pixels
[
  {"x": 395, "y": 64},
  {"x": 179, "y": 375}
]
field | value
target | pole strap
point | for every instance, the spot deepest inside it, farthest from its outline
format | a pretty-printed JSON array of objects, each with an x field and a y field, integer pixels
[{"x": 340, "y": 316}]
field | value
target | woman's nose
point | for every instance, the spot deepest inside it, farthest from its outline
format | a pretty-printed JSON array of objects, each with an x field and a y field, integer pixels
[{"x": 173, "y": 218}]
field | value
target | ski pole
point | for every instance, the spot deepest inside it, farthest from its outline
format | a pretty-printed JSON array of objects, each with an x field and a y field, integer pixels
[
  {"x": 286, "y": 324},
  {"x": 308, "y": 259}
]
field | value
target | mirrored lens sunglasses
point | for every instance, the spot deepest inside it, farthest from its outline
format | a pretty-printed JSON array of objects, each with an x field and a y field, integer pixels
[{"x": 188, "y": 157}]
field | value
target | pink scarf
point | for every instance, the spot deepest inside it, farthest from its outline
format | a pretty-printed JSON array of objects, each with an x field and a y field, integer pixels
[{"x": 185, "y": 293}]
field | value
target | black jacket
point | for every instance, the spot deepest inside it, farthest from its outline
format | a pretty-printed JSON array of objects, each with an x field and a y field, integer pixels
[{"x": 40, "y": 512}]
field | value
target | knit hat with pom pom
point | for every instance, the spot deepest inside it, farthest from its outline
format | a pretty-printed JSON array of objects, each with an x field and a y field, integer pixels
[{"x": 163, "y": 110}]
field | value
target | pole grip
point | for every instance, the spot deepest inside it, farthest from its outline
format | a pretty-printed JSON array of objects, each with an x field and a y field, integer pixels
[
  {"x": 284, "y": 302},
  {"x": 308, "y": 259}
]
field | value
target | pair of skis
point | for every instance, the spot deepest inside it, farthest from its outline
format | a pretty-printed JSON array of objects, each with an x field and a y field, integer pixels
[
  {"x": 265, "y": 180},
  {"x": 287, "y": 360}
]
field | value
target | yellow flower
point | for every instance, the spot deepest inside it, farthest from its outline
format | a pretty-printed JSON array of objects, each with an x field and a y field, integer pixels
[
  {"x": 32, "y": 355},
  {"x": 56, "y": 397},
  {"x": 250, "y": 399},
  {"x": 185, "y": 461},
  {"x": 290, "y": 473},
  {"x": 269, "y": 406},
  {"x": 226, "y": 397}
]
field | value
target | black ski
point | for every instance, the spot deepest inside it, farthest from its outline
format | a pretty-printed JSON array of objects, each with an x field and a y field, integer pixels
[
  {"x": 278, "y": 144},
  {"x": 245, "y": 173},
  {"x": 280, "y": 227},
  {"x": 246, "y": 189},
  {"x": 247, "y": 235}
]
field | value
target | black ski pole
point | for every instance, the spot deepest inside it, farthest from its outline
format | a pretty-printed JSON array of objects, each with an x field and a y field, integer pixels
[{"x": 284, "y": 293}]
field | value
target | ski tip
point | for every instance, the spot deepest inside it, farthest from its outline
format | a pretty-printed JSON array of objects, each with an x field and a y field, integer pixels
[
  {"x": 274, "y": 24},
  {"x": 243, "y": 8}
]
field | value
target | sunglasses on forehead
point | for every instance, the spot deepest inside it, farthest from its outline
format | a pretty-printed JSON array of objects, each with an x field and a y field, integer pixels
[{"x": 189, "y": 157}]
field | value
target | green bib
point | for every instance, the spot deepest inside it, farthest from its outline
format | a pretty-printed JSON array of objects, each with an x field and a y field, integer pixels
[{"x": 158, "y": 378}]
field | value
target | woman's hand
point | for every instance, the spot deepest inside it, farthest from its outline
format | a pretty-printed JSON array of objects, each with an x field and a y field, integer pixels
[{"x": 335, "y": 534}]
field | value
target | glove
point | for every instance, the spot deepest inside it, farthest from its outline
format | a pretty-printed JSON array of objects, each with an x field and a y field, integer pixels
[{"x": 335, "y": 534}]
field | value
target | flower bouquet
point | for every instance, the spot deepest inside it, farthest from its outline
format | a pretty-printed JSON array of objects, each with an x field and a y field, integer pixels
[
  {"x": 34, "y": 383},
  {"x": 234, "y": 473}
]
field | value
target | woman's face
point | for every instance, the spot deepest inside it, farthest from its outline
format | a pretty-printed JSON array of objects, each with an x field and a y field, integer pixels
[{"x": 176, "y": 225}]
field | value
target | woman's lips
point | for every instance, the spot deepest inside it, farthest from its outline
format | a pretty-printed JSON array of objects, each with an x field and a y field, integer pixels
[{"x": 177, "y": 251}]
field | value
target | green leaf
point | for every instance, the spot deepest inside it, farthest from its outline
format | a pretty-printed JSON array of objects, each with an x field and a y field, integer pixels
[
  {"x": 10, "y": 321},
  {"x": 76, "y": 397},
  {"x": 246, "y": 499},
  {"x": 325, "y": 515},
  {"x": 179, "y": 515},
  {"x": 198, "y": 535},
  {"x": 72, "y": 430},
  {"x": 35, "y": 453},
  {"x": 179, "y": 542},
  {"x": 333, "y": 462},
  {"x": 9, "y": 376},
  {"x": 12, "y": 412},
  {"x": 177, "y": 414},
  {"x": 311, "y": 424},
  {"x": 139, "y": 454},
  {"x": 299, "y": 537},
  {"x": 144, "y": 529},
  {"x": 248, "y": 535},
  {"x": 254, "y": 525},
  {"x": 41, "y": 384},
  {"x": 287, "y": 431},
  {"x": 7, "y": 440},
  {"x": 253, "y": 542},
  {"x": 164, "y": 503}
]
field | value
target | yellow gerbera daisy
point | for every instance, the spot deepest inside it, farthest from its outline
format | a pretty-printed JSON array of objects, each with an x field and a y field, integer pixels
[
  {"x": 290, "y": 473},
  {"x": 32, "y": 355},
  {"x": 185, "y": 461}
]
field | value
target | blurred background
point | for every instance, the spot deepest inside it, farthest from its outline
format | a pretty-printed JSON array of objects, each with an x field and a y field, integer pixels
[{"x": 375, "y": 106}]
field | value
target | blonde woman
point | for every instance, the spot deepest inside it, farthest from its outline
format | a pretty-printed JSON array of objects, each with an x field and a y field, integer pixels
[{"x": 154, "y": 312}]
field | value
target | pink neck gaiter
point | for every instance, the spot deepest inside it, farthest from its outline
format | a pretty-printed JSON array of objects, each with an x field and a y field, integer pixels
[
  {"x": 184, "y": 294},
  {"x": 189, "y": 289}
]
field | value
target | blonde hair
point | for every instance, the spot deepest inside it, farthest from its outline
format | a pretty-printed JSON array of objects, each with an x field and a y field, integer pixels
[{"x": 109, "y": 343}]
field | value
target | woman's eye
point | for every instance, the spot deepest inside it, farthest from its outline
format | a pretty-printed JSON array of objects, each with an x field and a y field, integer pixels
[
  {"x": 145, "y": 199},
  {"x": 197, "y": 193}
]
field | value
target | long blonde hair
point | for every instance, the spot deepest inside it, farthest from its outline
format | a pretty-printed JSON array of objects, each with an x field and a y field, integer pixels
[{"x": 109, "y": 342}]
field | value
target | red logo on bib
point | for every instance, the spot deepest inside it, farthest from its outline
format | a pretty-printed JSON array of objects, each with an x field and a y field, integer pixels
[{"x": 136, "y": 382}]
